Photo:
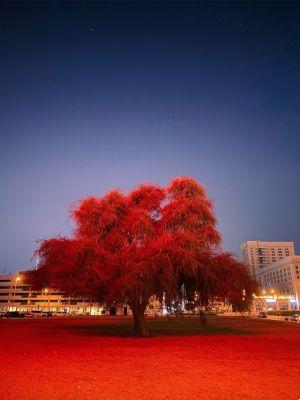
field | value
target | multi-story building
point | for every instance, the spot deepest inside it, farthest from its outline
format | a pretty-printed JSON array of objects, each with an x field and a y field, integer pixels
[
  {"x": 257, "y": 254},
  {"x": 17, "y": 295},
  {"x": 280, "y": 283}
]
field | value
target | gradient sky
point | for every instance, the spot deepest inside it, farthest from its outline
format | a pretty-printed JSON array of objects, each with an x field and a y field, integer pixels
[{"x": 98, "y": 96}]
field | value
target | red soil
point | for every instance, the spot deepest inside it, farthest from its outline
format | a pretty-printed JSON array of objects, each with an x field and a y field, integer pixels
[{"x": 57, "y": 359}]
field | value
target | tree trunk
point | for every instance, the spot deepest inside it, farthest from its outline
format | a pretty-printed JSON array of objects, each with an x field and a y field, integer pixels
[
  {"x": 203, "y": 317},
  {"x": 140, "y": 329}
]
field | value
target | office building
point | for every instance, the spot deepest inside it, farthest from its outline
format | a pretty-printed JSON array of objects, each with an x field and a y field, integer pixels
[
  {"x": 280, "y": 283},
  {"x": 17, "y": 295},
  {"x": 257, "y": 255}
]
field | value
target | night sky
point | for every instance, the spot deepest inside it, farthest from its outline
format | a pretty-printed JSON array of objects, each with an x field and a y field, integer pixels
[{"x": 95, "y": 96}]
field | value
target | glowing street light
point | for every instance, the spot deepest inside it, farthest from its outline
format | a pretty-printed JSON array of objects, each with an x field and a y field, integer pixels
[{"x": 15, "y": 287}]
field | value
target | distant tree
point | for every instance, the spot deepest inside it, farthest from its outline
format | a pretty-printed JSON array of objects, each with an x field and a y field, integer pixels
[
  {"x": 220, "y": 277},
  {"x": 127, "y": 248},
  {"x": 235, "y": 286}
]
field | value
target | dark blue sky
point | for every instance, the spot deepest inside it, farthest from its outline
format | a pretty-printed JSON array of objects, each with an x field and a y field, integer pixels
[{"x": 97, "y": 96}]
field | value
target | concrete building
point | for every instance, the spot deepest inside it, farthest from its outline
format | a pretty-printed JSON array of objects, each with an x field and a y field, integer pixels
[
  {"x": 15, "y": 295},
  {"x": 257, "y": 254},
  {"x": 280, "y": 283},
  {"x": 277, "y": 269}
]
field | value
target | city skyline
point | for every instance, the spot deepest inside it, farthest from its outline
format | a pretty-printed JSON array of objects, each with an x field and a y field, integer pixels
[{"x": 104, "y": 96}]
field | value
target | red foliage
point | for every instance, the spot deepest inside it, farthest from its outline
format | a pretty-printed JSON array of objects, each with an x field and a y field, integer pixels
[{"x": 130, "y": 247}]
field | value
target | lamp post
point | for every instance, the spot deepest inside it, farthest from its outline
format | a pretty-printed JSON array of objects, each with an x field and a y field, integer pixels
[
  {"x": 253, "y": 304},
  {"x": 15, "y": 287}
]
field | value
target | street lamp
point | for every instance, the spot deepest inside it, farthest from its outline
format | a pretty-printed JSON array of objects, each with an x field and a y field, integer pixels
[
  {"x": 15, "y": 287},
  {"x": 244, "y": 294}
]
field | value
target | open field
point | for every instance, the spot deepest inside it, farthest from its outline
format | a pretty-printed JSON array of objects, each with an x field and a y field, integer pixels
[{"x": 91, "y": 358}]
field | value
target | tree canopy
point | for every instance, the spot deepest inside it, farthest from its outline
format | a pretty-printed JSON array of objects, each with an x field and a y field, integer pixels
[{"x": 129, "y": 247}]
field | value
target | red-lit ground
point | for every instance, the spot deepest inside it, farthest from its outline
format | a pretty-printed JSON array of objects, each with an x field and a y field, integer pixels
[{"x": 62, "y": 359}]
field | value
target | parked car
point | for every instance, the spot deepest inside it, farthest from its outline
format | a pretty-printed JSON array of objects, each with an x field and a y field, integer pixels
[
  {"x": 29, "y": 315},
  {"x": 293, "y": 318},
  {"x": 38, "y": 313},
  {"x": 49, "y": 314},
  {"x": 262, "y": 314},
  {"x": 14, "y": 314}
]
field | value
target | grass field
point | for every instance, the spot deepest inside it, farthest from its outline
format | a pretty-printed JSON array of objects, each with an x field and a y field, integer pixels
[{"x": 91, "y": 358}]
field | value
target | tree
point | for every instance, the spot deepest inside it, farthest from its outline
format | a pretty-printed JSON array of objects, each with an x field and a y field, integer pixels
[
  {"x": 127, "y": 248},
  {"x": 221, "y": 278}
]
